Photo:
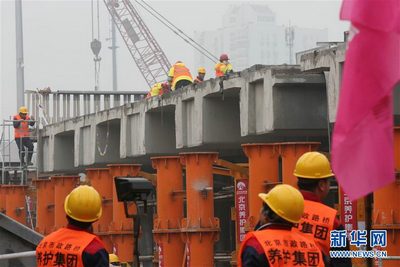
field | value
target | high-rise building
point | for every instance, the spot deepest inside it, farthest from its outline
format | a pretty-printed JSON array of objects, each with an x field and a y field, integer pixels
[{"x": 249, "y": 35}]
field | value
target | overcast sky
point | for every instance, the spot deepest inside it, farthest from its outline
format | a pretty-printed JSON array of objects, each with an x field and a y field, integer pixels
[{"x": 57, "y": 36}]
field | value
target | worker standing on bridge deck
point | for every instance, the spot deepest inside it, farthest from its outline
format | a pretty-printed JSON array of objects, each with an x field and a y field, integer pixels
[
  {"x": 313, "y": 171},
  {"x": 200, "y": 76},
  {"x": 76, "y": 245},
  {"x": 21, "y": 135},
  {"x": 179, "y": 76},
  {"x": 223, "y": 67},
  {"x": 158, "y": 89},
  {"x": 274, "y": 243}
]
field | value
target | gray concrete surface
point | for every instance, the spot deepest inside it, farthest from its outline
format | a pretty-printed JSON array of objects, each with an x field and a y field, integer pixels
[{"x": 16, "y": 237}]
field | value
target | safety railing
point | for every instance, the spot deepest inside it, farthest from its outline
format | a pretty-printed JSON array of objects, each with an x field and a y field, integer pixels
[
  {"x": 389, "y": 258},
  {"x": 52, "y": 107}
]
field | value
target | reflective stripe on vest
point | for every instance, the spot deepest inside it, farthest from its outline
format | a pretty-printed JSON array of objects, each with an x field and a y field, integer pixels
[
  {"x": 198, "y": 80},
  {"x": 286, "y": 248},
  {"x": 218, "y": 71},
  {"x": 63, "y": 248},
  {"x": 180, "y": 72},
  {"x": 23, "y": 129},
  {"x": 318, "y": 220}
]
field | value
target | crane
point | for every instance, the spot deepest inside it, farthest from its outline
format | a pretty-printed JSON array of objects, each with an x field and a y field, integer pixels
[{"x": 147, "y": 53}]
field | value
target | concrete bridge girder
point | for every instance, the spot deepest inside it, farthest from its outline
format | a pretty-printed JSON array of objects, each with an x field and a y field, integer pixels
[{"x": 259, "y": 104}]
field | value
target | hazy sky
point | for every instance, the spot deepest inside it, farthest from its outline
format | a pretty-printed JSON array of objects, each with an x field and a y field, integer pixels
[{"x": 57, "y": 36}]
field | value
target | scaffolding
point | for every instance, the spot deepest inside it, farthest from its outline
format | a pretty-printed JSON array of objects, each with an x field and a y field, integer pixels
[{"x": 12, "y": 169}]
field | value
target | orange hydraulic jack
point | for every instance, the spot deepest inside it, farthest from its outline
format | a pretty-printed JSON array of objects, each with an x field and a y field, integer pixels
[
  {"x": 169, "y": 211},
  {"x": 101, "y": 180},
  {"x": 200, "y": 229},
  {"x": 121, "y": 228},
  {"x": 45, "y": 206},
  {"x": 290, "y": 153},
  {"x": 263, "y": 167},
  {"x": 387, "y": 208},
  {"x": 2, "y": 199},
  {"x": 15, "y": 202},
  {"x": 63, "y": 185}
]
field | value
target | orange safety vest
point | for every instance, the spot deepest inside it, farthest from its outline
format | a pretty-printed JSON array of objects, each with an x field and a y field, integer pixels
[
  {"x": 23, "y": 129},
  {"x": 64, "y": 247},
  {"x": 218, "y": 71},
  {"x": 318, "y": 220},
  {"x": 197, "y": 80},
  {"x": 286, "y": 248},
  {"x": 156, "y": 86},
  {"x": 180, "y": 71}
]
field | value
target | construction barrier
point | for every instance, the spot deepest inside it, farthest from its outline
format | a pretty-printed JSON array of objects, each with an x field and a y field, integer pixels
[
  {"x": 15, "y": 202},
  {"x": 63, "y": 185},
  {"x": 45, "y": 206},
  {"x": 167, "y": 232},
  {"x": 200, "y": 229}
]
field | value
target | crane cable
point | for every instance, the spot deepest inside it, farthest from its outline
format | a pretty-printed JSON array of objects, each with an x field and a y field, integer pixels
[
  {"x": 96, "y": 45},
  {"x": 212, "y": 58}
]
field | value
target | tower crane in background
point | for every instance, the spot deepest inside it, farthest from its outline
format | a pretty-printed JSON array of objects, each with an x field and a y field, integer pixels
[{"x": 147, "y": 53}]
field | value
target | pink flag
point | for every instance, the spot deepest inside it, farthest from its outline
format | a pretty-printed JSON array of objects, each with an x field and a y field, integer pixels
[{"x": 362, "y": 147}]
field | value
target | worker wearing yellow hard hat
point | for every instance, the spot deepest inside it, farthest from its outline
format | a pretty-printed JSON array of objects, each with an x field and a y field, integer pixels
[
  {"x": 76, "y": 244},
  {"x": 21, "y": 124},
  {"x": 274, "y": 243},
  {"x": 200, "y": 76},
  {"x": 114, "y": 260},
  {"x": 313, "y": 171}
]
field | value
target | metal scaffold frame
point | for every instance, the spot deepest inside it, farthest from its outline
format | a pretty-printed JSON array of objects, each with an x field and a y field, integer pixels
[{"x": 6, "y": 141}]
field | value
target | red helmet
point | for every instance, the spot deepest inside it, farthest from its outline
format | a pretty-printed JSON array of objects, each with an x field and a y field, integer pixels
[
  {"x": 166, "y": 87},
  {"x": 223, "y": 57}
]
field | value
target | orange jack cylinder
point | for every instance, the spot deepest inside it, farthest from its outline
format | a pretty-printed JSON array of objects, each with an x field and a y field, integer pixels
[
  {"x": 263, "y": 166},
  {"x": 121, "y": 228},
  {"x": 101, "y": 180},
  {"x": 15, "y": 202},
  {"x": 200, "y": 229},
  {"x": 45, "y": 206},
  {"x": 387, "y": 209},
  {"x": 2, "y": 199},
  {"x": 63, "y": 185},
  {"x": 290, "y": 153},
  {"x": 169, "y": 210}
]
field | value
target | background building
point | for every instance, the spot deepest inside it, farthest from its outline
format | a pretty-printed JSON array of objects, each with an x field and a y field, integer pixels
[{"x": 249, "y": 35}]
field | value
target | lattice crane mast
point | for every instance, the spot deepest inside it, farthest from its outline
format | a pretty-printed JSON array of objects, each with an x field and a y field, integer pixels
[{"x": 147, "y": 53}]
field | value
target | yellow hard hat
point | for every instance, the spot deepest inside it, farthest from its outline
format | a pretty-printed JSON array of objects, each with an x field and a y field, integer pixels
[
  {"x": 201, "y": 70},
  {"x": 113, "y": 258},
  {"x": 286, "y": 201},
  {"x": 83, "y": 204},
  {"x": 23, "y": 110},
  {"x": 313, "y": 165}
]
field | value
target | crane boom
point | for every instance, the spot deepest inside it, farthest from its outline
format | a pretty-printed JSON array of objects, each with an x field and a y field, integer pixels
[{"x": 147, "y": 53}]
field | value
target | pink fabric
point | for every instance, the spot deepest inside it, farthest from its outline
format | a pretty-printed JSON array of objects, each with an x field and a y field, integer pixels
[{"x": 362, "y": 147}]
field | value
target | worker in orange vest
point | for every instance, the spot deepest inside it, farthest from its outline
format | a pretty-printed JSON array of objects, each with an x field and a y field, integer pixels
[
  {"x": 223, "y": 67},
  {"x": 313, "y": 171},
  {"x": 274, "y": 243},
  {"x": 158, "y": 89},
  {"x": 179, "y": 76},
  {"x": 200, "y": 77},
  {"x": 76, "y": 245},
  {"x": 21, "y": 135}
]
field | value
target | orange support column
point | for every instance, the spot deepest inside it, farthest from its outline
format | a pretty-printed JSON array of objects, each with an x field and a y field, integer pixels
[
  {"x": 290, "y": 153},
  {"x": 169, "y": 211},
  {"x": 387, "y": 208},
  {"x": 200, "y": 229},
  {"x": 45, "y": 206},
  {"x": 2, "y": 199},
  {"x": 263, "y": 166},
  {"x": 101, "y": 180},
  {"x": 121, "y": 228},
  {"x": 15, "y": 202},
  {"x": 63, "y": 185}
]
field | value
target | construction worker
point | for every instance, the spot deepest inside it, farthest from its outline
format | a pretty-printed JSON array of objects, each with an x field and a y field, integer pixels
[
  {"x": 75, "y": 245},
  {"x": 179, "y": 76},
  {"x": 158, "y": 89},
  {"x": 21, "y": 134},
  {"x": 223, "y": 67},
  {"x": 114, "y": 260},
  {"x": 313, "y": 171},
  {"x": 201, "y": 73},
  {"x": 274, "y": 243}
]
